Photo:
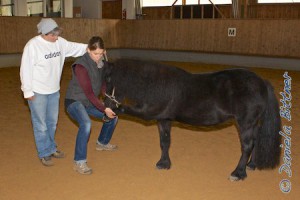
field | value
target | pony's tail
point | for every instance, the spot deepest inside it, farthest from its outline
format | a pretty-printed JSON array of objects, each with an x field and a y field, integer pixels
[{"x": 267, "y": 147}]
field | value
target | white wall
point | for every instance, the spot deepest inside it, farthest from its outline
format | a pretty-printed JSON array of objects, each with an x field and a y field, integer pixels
[
  {"x": 129, "y": 5},
  {"x": 93, "y": 8},
  {"x": 68, "y": 8},
  {"x": 89, "y": 8},
  {"x": 20, "y": 8}
]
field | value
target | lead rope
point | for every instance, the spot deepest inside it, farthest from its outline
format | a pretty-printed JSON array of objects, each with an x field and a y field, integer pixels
[
  {"x": 113, "y": 98},
  {"x": 105, "y": 56},
  {"x": 113, "y": 94}
]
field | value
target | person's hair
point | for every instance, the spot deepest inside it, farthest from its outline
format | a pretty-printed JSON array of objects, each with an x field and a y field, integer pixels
[
  {"x": 55, "y": 31},
  {"x": 95, "y": 42}
]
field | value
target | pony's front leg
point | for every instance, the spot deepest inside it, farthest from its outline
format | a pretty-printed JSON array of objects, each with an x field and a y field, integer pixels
[{"x": 164, "y": 127}]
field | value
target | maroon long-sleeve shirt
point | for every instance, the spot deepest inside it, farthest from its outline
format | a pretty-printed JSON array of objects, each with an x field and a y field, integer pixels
[{"x": 86, "y": 85}]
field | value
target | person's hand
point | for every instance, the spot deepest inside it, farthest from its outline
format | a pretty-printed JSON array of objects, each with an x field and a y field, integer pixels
[
  {"x": 109, "y": 113},
  {"x": 30, "y": 98}
]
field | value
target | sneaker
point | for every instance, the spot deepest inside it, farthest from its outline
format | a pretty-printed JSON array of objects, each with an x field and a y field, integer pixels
[
  {"x": 46, "y": 161},
  {"x": 82, "y": 168},
  {"x": 106, "y": 147},
  {"x": 58, "y": 154}
]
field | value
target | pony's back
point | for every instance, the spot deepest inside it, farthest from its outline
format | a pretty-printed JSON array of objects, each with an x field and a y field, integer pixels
[
  {"x": 152, "y": 86},
  {"x": 148, "y": 80}
]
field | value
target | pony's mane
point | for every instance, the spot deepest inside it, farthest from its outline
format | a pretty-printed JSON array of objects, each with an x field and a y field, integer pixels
[
  {"x": 131, "y": 76},
  {"x": 148, "y": 67}
]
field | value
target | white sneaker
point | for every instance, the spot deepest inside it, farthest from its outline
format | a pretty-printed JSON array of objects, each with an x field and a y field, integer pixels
[
  {"x": 106, "y": 147},
  {"x": 82, "y": 168}
]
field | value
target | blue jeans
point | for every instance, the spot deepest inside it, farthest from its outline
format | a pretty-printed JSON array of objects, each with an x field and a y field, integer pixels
[
  {"x": 80, "y": 114},
  {"x": 44, "y": 115}
]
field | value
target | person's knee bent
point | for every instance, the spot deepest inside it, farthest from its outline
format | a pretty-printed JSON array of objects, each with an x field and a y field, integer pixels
[{"x": 86, "y": 126}]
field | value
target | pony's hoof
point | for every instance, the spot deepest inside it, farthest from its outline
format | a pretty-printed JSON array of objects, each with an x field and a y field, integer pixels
[
  {"x": 237, "y": 175},
  {"x": 236, "y": 178},
  {"x": 160, "y": 167},
  {"x": 163, "y": 165},
  {"x": 233, "y": 178}
]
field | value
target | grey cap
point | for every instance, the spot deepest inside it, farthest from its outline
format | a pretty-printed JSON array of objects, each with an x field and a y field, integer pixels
[{"x": 47, "y": 25}]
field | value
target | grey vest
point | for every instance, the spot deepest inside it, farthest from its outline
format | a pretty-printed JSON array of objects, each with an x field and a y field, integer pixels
[{"x": 75, "y": 91}]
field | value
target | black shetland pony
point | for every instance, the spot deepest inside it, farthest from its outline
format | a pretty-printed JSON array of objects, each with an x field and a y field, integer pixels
[{"x": 153, "y": 91}]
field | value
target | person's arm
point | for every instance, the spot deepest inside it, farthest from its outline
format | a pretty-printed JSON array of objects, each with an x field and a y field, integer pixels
[
  {"x": 86, "y": 85},
  {"x": 26, "y": 72},
  {"x": 103, "y": 88},
  {"x": 72, "y": 49}
]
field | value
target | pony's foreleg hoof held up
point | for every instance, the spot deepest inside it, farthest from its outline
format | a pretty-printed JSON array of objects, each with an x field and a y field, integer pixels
[
  {"x": 236, "y": 176},
  {"x": 163, "y": 164}
]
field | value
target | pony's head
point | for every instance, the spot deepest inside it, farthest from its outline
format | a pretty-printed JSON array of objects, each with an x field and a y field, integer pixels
[{"x": 110, "y": 98}]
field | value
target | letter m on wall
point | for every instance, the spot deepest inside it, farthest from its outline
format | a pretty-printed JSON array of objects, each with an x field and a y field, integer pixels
[{"x": 231, "y": 32}]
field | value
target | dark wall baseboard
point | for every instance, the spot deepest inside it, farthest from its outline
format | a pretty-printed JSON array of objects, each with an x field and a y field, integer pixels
[{"x": 9, "y": 60}]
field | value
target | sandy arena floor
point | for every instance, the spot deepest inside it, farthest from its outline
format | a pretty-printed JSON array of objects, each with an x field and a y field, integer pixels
[{"x": 202, "y": 159}]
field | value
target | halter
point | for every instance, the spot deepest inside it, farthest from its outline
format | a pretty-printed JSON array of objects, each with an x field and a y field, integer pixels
[{"x": 113, "y": 98}]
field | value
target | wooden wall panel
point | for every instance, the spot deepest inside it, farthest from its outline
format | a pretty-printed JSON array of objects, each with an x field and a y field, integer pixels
[
  {"x": 157, "y": 12},
  {"x": 81, "y": 30},
  {"x": 254, "y": 37},
  {"x": 274, "y": 11},
  {"x": 16, "y": 31},
  {"x": 226, "y": 11},
  {"x": 112, "y": 9}
]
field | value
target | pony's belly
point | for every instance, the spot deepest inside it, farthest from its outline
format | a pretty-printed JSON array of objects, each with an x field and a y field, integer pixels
[{"x": 203, "y": 120}]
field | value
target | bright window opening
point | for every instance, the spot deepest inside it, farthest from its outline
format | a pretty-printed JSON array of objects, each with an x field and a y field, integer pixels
[
  {"x": 6, "y": 7},
  {"x": 278, "y": 1},
  {"x": 156, "y": 3}
]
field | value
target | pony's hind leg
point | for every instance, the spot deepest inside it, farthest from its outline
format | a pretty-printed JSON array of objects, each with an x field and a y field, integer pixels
[
  {"x": 164, "y": 127},
  {"x": 247, "y": 143},
  {"x": 251, "y": 164}
]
